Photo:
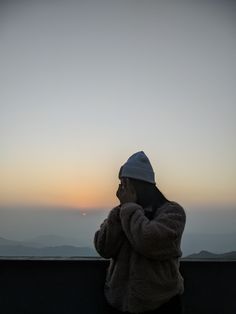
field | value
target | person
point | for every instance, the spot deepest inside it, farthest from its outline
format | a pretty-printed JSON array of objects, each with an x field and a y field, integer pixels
[{"x": 141, "y": 237}]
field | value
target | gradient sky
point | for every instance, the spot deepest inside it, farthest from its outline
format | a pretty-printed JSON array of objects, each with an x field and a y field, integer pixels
[{"x": 85, "y": 84}]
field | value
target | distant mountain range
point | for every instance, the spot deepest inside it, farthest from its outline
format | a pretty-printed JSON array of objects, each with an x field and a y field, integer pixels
[
  {"x": 216, "y": 242},
  {"x": 209, "y": 255},
  {"x": 53, "y": 240},
  {"x": 24, "y": 248},
  {"x": 58, "y": 246}
]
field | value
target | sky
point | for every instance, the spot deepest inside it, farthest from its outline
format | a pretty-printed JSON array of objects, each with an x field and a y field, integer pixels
[{"x": 85, "y": 84}]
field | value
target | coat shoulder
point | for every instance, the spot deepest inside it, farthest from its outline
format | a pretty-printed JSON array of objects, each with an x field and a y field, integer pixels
[{"x": 171, "y": 207}]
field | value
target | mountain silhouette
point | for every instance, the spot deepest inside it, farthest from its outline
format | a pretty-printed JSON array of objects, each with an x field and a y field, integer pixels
[
  {"x": 210, "y": 255},
  {"x": 18, "y": 248}
]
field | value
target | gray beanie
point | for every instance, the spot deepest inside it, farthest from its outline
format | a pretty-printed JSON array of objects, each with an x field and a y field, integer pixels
[{"x": 138, "y": 167}]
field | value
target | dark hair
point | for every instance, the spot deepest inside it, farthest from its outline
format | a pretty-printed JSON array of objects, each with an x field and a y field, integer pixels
[{"x": 148, "y": 195}]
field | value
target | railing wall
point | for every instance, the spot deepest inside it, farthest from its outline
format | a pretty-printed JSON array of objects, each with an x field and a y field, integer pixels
[{"x": 76, "y": 286}]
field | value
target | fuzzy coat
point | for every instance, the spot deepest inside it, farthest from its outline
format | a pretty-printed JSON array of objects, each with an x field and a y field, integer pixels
[{"x": 144, "y": 267}]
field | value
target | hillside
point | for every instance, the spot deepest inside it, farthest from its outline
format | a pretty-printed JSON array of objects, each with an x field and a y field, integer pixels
[
  {"x": 63, "y": 250},
  {"x": 17, "y": 248},
  {"x": 209, "y": 255}
]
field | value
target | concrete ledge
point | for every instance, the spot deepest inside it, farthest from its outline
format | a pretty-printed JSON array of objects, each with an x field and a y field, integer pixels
[{"x": 68, "y": 286}]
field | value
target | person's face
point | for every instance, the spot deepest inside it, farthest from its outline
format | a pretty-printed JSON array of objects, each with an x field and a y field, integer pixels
[
  {"x": 123, "y": 183},
  {"x": 126, "y": 191}
]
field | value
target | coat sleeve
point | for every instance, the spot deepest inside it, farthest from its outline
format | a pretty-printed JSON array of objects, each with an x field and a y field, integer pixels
[
  {"x": 158, "y": 238},
  {"x": 109, "y": 237}
]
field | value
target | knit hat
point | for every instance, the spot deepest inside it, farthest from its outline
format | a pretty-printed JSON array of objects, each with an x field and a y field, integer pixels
[{"x": 138, "y": 167}]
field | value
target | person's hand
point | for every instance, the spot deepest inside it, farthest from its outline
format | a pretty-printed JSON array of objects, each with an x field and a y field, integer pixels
[{"x": 126, "y": 192}]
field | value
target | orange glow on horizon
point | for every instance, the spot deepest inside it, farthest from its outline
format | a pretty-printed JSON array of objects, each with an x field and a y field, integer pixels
[
  {"x": 86, "y": 194},
  {"x": 94, "y": 187},
  {"x": 99, "y": 195}
]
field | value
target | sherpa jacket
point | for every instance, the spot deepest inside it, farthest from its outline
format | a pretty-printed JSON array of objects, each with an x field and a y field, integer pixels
[{"x": 144, "y": 267}]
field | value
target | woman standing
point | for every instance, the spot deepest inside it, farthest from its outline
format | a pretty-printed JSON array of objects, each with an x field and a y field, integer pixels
[{"x": 142, "y": 238}]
